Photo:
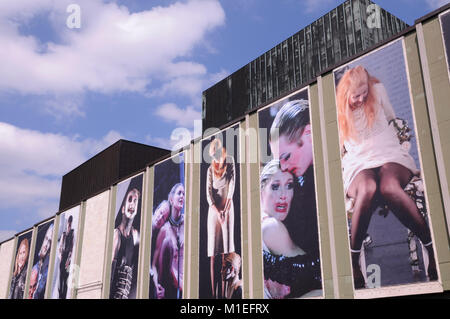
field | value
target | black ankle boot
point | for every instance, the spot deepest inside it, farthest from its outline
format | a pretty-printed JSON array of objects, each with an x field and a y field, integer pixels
[
  {"x": 358, "y": 278},
  {"x": 432, "y": 270}
]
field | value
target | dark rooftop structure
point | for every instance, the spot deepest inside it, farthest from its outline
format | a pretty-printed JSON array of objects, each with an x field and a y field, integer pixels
[
  {"x": 351, "y": 28},
  {"x": 116, "y": 162}
]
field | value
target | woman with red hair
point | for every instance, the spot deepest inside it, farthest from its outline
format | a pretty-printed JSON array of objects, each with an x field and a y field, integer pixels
[
  {"x": 220, "y": 183},
  {"x": 374, "y": 162},
  {"x": 20, "y": 270}
]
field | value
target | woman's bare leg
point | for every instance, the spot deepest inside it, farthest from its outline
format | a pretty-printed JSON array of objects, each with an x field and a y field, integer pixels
[
  {"x": 393, "y": 178},
  {"x": 362, "y": 190}
]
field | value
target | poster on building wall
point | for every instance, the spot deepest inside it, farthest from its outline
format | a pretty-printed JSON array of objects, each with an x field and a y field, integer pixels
[
  {"x": 65, "y": 270},
  {"x": 125, "y": 254},
  {"x": 220, "y": 269},
  {"x": 20, "y": 266},
  {"x": 39, "y": 270},
  {"x": 445, "y": 24},
  {"x": 390, "y": 239},
  {"x": 289, "y": 222},
  {"x": 167, "y": 244}
]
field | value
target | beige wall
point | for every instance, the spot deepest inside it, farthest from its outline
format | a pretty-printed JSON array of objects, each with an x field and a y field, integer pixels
[
  {"x": 321, "y": 169},
  {"x": 6, "y": 257},
  {"x": 439, "y": 77},
  {"x": 342, "y": 280},
  {"x": 256, "y": 278},
  {"x": 437, "y": 84},
  {"x": 93, "y": 247},
  {"x": 194, "y": 224}
]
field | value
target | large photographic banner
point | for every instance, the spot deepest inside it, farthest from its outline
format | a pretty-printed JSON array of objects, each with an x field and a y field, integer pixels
[
  {"x": 167, "y": 252},
  {"x": 289, "y": 222},
  {"x": 445, "y": 24},
  {"x": 384, "y": 190},
  {"x": 20, "y": 261},
  {"x": 39, "y": 272},
  {"x": 65, "y": 270},
  {"x": 220, "y": 217},
  {"x": 125, "y": 254}
]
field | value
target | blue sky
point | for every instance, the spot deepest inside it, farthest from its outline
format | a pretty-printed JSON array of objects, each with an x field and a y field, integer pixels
[{"x": 134, "y": 70}]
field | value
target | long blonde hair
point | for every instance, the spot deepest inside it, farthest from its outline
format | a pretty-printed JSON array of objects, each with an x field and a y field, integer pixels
[
  {"x": 25, "y": 243},
  {"x": 352, "y": 79}
]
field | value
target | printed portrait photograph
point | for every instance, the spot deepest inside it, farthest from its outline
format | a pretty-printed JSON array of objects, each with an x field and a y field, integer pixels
[
  {"x": 64, "y": 267},
  {"x": 20, "y": 266},
  {"x": 167, "y": 244},
  {"x": 389, "y": 233},
  {"x": 445, "y": 25},
  {"x": 41, "y": 260},
  {"x": 126, "y": 239},
  {"x": 289, "y": 224},
  {"x": 220, "y": 217}
]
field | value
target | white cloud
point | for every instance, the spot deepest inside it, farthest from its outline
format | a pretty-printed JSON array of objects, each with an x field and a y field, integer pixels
[
  {"x": 191, "y": 86},
  {"x": 161, "y": 142},
  {"x": 33, "y": 163},
  {"x": 435, "y": 4},
  {"x": 93, "y": 146},
  {"x": 43, "y": 153},
  {"x": 188, "y": 79},
  {"x": 181, "y": 117},
  {"x": 114, "y": 51}
]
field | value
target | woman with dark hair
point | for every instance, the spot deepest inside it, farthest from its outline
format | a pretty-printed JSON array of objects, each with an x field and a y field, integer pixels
[
  {"x": 20, "y": 270},
  {"x": 374, "y": 162},
  {"x": 126, "y": 244},
  {"x": 167, "y": 262}
]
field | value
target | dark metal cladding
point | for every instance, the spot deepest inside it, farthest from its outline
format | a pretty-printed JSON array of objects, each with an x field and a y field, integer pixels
[
  {"x": 334, "y": 37},
  {"x": 116, "y": 162}
]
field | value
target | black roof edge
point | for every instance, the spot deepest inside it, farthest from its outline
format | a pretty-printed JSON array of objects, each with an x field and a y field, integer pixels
[
  {"x": 94, "y": 156},
  {"x": 120, "y": 141},
  {"x": 44, "y": 221}
]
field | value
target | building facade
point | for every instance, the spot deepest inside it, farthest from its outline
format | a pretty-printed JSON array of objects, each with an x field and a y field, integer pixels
[
  {"x": 199, "y": 223},
  {"x": 349, "y": 29}
]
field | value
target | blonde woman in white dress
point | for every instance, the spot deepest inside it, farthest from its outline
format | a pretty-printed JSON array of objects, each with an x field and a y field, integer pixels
[{"x": 374, "y": 162}]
